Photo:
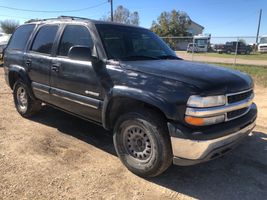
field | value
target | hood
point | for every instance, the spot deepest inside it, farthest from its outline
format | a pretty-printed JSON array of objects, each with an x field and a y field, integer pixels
[{"x": 208, "y": 78}]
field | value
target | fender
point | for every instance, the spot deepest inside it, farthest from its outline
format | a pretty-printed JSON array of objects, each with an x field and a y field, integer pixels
[
  {"x": 135, "y": 94},
  {"x": 16, "y": 70}
]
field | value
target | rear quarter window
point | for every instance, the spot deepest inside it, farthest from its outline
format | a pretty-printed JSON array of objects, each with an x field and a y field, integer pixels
[{"x": 20, "y": 37}]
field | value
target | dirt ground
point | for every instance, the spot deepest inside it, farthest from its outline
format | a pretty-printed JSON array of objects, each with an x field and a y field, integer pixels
[
  {"x": 58, "y": 156},
  {"x": 200, "y": 58}
]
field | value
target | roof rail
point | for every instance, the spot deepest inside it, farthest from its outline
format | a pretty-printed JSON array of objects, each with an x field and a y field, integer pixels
[
  {"x": 59, "y": 17},
  {"x": 71, "y": 17},
  {"x": 40, "y": 20}
]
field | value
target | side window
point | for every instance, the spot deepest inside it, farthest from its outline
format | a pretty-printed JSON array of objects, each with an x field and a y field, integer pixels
[
  {"x": 74, "y": 35},
  {"x": 44, "y": 39},
  {"x": 20, "y": 37}
]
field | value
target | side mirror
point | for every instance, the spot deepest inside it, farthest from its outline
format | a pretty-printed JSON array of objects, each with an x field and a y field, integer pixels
[{"x": 80, "y": 53}]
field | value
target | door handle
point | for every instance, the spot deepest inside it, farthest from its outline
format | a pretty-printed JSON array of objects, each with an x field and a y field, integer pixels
[
  {"x": 28, "y": 62},
  {"x": 55, "y": 67}
]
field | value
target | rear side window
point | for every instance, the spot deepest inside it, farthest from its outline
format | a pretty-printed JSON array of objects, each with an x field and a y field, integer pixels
[
  {"x": 44, "y": 39},
  {"x": 74, "y": 35},
  {"x": 20, "y": 37}
]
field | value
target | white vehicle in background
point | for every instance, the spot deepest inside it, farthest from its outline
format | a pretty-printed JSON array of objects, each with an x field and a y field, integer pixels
[
  {"x": 262, "y": 47},
  {"x": 202, "y": 42},
  {"x": 190, "y": 48},
  {"x": 4, "y": 38}
]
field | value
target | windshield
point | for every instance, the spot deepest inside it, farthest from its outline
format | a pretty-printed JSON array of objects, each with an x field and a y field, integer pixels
[
  {"x": 201, "y": 42},
  {"x": 263, "y": 40},
  {"x": 132, "y": 43}
]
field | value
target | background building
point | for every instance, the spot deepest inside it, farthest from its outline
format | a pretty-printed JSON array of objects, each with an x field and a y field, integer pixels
[{"x": 195, "y": 28}]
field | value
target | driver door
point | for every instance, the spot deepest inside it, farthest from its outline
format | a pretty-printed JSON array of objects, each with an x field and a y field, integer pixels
[{"x": 74, "y": 85}]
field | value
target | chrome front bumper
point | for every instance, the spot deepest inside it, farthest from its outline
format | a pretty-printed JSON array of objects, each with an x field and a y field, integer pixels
[{"x": 189, "y": 152}]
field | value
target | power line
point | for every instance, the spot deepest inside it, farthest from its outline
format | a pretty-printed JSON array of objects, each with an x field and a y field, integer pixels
[{"x": 53, "y": 11}]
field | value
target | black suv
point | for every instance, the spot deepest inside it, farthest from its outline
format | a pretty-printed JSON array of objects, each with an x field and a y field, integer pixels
[{"x": 162, "y": 109}]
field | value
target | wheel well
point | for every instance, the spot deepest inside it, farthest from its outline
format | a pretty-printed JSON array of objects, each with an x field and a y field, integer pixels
[
  {"x": 121, "y": 105},
  {"x": 13, "y": 77}
]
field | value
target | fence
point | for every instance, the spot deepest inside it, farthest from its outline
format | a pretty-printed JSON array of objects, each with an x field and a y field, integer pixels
[{"x": 231, "y": 50}]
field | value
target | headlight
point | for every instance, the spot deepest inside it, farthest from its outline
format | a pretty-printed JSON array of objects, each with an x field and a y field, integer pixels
[{"x": 205, "y": 102}]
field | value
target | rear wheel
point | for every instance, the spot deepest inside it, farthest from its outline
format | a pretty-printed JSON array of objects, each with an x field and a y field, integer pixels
[
  {"x": 142, "y": 143},
  {"x": 25, "y": 105}
]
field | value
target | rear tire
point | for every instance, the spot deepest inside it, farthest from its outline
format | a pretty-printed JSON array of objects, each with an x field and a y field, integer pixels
[
  {"x": 142, "y": 142},
  {"x": 25, "y": 105}
]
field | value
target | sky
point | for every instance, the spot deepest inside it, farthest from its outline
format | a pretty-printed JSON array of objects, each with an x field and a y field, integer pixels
[{"x": 219, "y": 17}]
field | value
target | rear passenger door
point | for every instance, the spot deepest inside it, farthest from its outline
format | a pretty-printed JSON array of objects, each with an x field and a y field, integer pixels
[
  {"x": 39, "y": 60},
  {"x": 74, "y": 85}
]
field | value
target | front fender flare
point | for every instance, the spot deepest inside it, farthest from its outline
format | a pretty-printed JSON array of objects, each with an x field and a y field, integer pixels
[{"x": 138, "y": 95}]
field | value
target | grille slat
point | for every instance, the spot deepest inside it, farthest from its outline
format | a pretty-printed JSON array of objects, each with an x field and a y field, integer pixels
[
  {"x": 239, "y": 97},
  {"x": 236, "y": 113}
]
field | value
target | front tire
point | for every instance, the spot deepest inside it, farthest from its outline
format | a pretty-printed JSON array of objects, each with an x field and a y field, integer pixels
[
  {"x": 25, "y": 105},
  {"x": 142, "y": 143}
]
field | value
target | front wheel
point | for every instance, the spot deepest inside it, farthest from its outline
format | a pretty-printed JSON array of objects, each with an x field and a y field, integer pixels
[
  {"x": 142, "y": 143},
  {"x": 25, "y": 105}
]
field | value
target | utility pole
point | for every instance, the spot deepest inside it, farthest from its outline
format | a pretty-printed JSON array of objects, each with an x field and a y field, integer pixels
[
  {"x": 111, "y": 9},
  {"x": 259, "y": 25}
]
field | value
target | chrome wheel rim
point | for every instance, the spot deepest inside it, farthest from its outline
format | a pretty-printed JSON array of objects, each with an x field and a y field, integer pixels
[
  {"x": 22, "y": 99},
  {"x": 137, "y": 143}
]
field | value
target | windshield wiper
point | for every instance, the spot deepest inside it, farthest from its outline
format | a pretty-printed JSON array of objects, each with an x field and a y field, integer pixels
[
  {"x": 169, "y": 57},
  {"x": 139, "y": 57}
]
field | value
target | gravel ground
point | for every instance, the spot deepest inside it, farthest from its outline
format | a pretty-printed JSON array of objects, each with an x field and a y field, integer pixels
[{"x": 58, "y": 156}]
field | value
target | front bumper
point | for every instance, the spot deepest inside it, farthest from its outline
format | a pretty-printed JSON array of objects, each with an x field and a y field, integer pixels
[
  {"x": 263, "y": 50},
  {"x": 193, "y": 150}
]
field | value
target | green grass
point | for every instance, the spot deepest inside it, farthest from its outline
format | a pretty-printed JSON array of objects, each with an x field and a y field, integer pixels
[
  {"x": 258, "y": 73},
  {"x": 252, "y": 56}
]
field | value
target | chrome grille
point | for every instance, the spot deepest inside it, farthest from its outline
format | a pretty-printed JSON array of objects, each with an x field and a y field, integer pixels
[
  {"x": 236, "y": 98},
  {"x": 239, "y": 97},
  {"x": 236, "y": 113}
]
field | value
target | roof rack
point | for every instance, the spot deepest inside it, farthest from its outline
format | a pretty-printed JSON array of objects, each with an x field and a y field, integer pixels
[
  {"x": 71, "y": 17},
  {"x": 60, "y": 17}
]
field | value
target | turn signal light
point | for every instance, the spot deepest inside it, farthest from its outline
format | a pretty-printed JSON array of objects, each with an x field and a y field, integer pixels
[{"x": 198, "y": 121}]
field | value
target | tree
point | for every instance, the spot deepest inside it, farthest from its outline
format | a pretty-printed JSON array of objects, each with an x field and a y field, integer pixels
[
  {"x": 134, "y": 18},
  {"x": 123, "y": 15},
  {"x": 170, "y": 24},
  {"x": 242, "y": 40},
  {"x": 9, "y": 26}
]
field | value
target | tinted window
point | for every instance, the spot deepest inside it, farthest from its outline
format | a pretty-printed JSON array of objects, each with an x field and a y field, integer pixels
[
  {"x": 20, "y": 37},
  {"x": 44, "y": 39},
  {"x": 74, "y": 35}
]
